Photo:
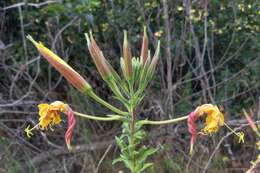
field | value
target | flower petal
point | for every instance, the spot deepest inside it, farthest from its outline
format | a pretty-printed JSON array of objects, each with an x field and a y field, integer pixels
[{"x": 71, "y": 125}]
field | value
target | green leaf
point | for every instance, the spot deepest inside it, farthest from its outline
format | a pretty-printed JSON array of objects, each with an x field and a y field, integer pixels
[
  {"x": 147, "y": 165},
  {"x": 144, "y": 153},
  {"x": 119, "y": 159}
]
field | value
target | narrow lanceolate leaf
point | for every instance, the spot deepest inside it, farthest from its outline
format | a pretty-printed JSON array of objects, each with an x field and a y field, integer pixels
[
  {"x": 145, "y": 68},
  {"x": 127, "y": 57},
  {"x": 146, "y": 165},
  {"x": 60, "y": 65},
  {"x": 122, "y": 65},
  {"x": 98, "y": 57},
  {"x": 144, "y": 51}
]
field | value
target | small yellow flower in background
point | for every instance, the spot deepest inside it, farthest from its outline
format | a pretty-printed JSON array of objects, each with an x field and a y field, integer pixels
[
  {"x": 158, "y": 33},
  {"x": 214, "y": 119},
  {"x": 179, "y": 8}
]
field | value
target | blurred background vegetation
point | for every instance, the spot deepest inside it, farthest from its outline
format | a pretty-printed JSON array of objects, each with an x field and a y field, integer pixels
[{"x": 210, "y": 53}]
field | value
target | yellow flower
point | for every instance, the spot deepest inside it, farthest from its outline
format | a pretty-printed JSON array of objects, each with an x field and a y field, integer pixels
[
  {"x": 49, "y": 113},
  {"x": 214, "y": 119}
]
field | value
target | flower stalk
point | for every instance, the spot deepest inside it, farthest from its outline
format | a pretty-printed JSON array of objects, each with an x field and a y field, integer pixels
[
  {"x": 100, "y": 118},
  {"x": 163, "y": 122},
  {"x": 104, "y": 103}
]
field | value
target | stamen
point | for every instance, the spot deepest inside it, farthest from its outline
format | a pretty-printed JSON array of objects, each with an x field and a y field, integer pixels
[
  {"x": 29, "y": 132},
  {"x": 241, "y": 137}
]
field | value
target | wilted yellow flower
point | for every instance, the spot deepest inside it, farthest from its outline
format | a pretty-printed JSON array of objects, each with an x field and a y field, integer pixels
[
  {"x": 49, "y": 113},
  {"x": 214, "y": 119}
]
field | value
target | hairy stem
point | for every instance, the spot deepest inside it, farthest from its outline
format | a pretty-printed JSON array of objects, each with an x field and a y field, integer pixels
[
  {"x": 132, "y": 128},
  {"x": 132, "y": 138}
]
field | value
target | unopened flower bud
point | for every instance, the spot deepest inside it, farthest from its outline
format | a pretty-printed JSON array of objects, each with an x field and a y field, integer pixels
[
  {"x": 144, "y": 50},
  {"x": 127, "y": 57},
  {"x": 65, "y": 70},
  {"x": 98, "y": 57}
]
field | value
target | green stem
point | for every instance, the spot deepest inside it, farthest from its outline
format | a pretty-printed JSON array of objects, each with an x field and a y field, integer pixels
[
  {"x": 103, "y": 102},
  {"x": 163, "y": 121},
  {"x": 132, "y": 128},
  {"x": 110, "y": 118},
  {"x": 132, "y": 139}
]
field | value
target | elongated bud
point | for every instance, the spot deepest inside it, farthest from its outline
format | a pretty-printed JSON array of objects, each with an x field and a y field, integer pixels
[
  {"x": 144, "y": 51},
  {"x": 98, "y": 57},
  {"x": 155, "y": 59},
  {"x": 65, "y": 70},
  {"x": 127, "y": 57},
  {"x": 250, "y": 121}
]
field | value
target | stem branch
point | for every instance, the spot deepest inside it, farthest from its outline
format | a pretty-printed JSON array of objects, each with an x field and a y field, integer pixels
[
  {"x": 175, "y": 120},
  {"x": 111, "y": 118}
]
